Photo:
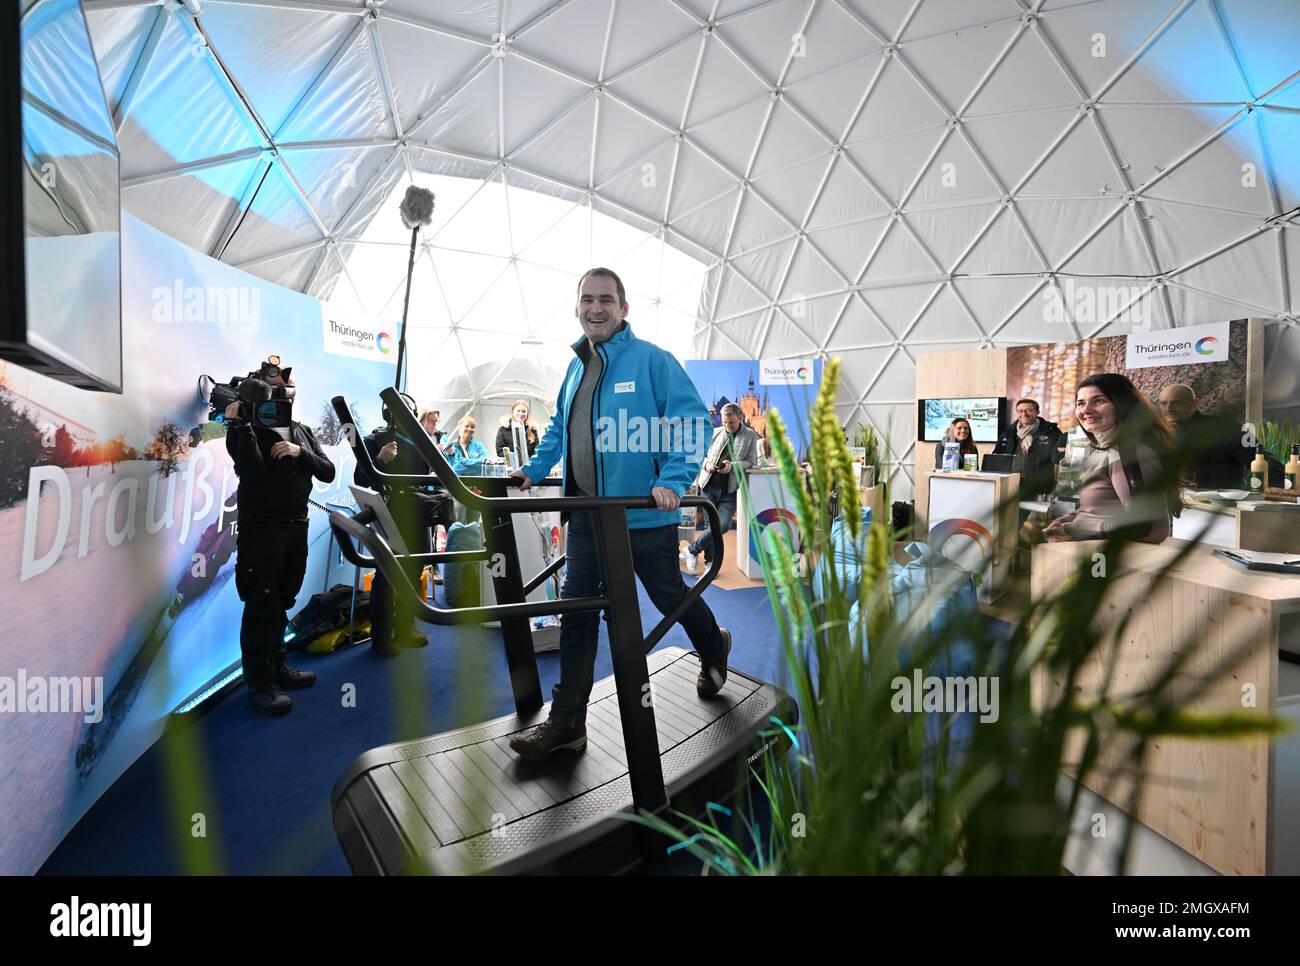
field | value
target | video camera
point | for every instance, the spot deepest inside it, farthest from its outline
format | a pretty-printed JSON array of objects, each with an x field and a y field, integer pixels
[{"x": 260, "y": 403}]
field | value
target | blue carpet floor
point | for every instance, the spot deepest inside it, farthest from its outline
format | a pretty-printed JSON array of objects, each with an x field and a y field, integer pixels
[{"x": 267, "y": 781}]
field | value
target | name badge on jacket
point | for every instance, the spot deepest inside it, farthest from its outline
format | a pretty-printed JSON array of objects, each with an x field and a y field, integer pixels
[{"x": 625, "y": 387}]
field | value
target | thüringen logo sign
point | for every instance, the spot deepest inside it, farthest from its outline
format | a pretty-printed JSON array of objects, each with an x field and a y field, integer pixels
[
  {"x": 358, "y": 341},
  {"x": 785, "y": 372},
  {"x": 1192, "y": 345}
]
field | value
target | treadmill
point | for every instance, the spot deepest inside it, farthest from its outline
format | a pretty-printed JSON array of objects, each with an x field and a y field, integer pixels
[{"x": 462, "y": 802}]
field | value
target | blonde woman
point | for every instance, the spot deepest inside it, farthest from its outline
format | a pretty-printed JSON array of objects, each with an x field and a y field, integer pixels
[
  {"x": 519, "y": 413},
  {"x": 465, "y": 452}
]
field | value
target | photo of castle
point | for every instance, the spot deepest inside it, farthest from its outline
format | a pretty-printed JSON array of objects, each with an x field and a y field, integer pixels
[
  {"x": 721, "y": 381},
  {"x": 753, "y": 408}
]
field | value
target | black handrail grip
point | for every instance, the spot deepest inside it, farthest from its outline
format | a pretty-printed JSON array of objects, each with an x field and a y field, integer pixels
[
  {"x": 542, "y": 577},
  {"x": 387, "y": 562},
  {"x": 353, "y": 556},
  {"x": 662, "y": 628},
  {"x": 353, "y": 434}
]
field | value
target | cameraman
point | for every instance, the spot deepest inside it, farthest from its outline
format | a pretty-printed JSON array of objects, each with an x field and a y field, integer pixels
[
  {"x": 415, "y": 508},
  {"x": 275, "y": 460}
]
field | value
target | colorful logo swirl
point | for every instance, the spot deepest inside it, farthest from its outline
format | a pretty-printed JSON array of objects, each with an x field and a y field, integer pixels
[
  {"x": 384, "y": 341},
  {"x": 1206, "y": 346},
  {"x": 777, "y": 516},
  {"x": 804, "y": 374},
  {"x": 942, "y": 532}
]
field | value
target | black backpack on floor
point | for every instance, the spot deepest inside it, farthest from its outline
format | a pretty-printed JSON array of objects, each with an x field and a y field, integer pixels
[{"x": 327, "y": 611}]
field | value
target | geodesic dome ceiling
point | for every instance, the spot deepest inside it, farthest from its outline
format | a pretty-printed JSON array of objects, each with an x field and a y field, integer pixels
[{"x": 867, "y": 178}]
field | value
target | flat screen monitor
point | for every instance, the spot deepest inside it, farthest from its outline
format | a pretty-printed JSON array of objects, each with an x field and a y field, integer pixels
[
  {"x": 986, "y": 415},
  {"x": 59, "y": 207}
]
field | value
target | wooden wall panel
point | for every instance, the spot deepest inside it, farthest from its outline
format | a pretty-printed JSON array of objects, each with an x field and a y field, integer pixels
[{"x": 969, "y": 372}]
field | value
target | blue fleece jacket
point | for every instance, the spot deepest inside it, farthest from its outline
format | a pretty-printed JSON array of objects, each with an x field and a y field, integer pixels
[
  {"x": 467, "y": 460},
  {"x": 649, "y": 424}
]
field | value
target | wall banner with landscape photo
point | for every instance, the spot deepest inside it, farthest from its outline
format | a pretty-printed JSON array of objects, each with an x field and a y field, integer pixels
[
  {"x": 117, "y": 527},
  {"x": 1052, "y": 372}
]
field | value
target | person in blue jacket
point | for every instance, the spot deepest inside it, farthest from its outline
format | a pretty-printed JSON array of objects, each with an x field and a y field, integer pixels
[
  {"x": 465, "y": 452},
  {"x": 628, "y": 422}
]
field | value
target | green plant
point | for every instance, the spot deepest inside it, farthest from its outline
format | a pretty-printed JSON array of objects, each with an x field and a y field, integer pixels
[
  {"x": 1278, "y": 438},
  {"x": 871, "y": 787},
  {"x": 865, "y": 438}
]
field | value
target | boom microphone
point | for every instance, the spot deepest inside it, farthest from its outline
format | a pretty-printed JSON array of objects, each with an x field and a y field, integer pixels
[
  {"x": 417, "y": 207},
  {"x": 417, "y": 213}
]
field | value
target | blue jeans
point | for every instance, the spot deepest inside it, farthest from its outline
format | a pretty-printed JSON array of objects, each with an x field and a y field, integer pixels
[
  {"x": 726, "y": 504},
  {"x": 655, "y": 560}
]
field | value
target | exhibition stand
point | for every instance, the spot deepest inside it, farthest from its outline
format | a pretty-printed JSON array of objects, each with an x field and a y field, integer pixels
[
  {"x": 1229, "y": 803},
  {"x": 974, "y": 521},
  {"x": 762, "y": 501}
]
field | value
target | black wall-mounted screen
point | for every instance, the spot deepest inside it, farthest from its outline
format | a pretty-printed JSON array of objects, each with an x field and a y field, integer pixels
[
  {"x": 59, "y": 205},
  {"x": 986, "y": 415}
]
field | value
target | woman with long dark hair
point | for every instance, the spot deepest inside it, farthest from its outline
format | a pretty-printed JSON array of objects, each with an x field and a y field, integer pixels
[
  {"x": 959, "y": 432},
  {"x": 1124, "y": 484}
]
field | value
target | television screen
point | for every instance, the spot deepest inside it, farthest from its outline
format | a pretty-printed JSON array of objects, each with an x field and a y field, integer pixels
[
  {"x": 60, "y": 206},
  {"x": 986, "y": 415}
]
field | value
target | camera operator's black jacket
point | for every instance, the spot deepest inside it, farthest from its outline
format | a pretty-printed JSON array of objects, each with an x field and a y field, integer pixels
[{"x": 271, "y": 490}]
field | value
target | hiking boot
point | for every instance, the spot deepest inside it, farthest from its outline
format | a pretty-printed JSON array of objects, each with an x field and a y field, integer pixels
[
  {"x": 270, "y": 700},
  {"x": 413, "y": 638},
  {"x": 383, "y": 643},
  {"x": 293, "y": 679},
  {"x": 548, "y": 737},
  {"x": 713, "y": 676}
]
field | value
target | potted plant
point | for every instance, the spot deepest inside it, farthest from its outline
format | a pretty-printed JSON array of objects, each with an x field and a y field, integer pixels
[{"x": 871, "y": 787}]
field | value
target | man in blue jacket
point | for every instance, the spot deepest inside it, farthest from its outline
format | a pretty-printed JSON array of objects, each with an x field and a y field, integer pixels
[{"x": 628, "y": 422}]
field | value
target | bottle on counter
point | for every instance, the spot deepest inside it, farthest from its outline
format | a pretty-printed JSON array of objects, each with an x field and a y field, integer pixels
[
  {"x": 1070, "y": 470},
  {"x": 1258, "y": 472},
  {"x": 1291, "y": 481},
  {"x": 951, "y": 456}
]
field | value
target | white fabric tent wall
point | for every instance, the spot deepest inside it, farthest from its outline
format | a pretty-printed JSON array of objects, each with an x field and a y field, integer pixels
[{"x": 863, "y": 179}]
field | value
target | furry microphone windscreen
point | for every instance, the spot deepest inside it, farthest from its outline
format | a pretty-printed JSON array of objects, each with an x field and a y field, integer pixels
[{"x": 417, "y": 207}]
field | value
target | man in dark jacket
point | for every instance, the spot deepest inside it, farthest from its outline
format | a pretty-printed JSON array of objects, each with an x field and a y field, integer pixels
[
  {"x": 415, "y": 507},
  {"x": 275, "y": 459},
  {"x": 1217, "y": 458},
  {"x": 1037, "y": 445}
]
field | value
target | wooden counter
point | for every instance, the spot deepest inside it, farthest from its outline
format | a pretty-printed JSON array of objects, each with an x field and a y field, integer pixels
[
  {"x": 1214, "y": 799},
  {"x": 1241, "y": 526}
]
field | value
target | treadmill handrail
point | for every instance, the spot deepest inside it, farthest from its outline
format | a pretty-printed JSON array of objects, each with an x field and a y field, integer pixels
[
  {"x": 353, "y": 434},
  {"x": 405, "y": 420},
  {"x": 346, "y": 529},
  {"x": 411, "y": 428},
  {"x": 350, "y": 553},
  {"x": 387, "y": 562}
]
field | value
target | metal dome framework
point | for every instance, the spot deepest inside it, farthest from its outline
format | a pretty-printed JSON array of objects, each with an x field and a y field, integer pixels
[{"x": 815, "y": 190}]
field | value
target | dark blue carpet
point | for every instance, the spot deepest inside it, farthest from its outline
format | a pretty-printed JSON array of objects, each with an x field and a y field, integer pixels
[{"x": 268, "y": 781}]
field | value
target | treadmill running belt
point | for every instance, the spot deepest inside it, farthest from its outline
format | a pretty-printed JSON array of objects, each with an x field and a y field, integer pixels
[{"x": 462, "y": 801}]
